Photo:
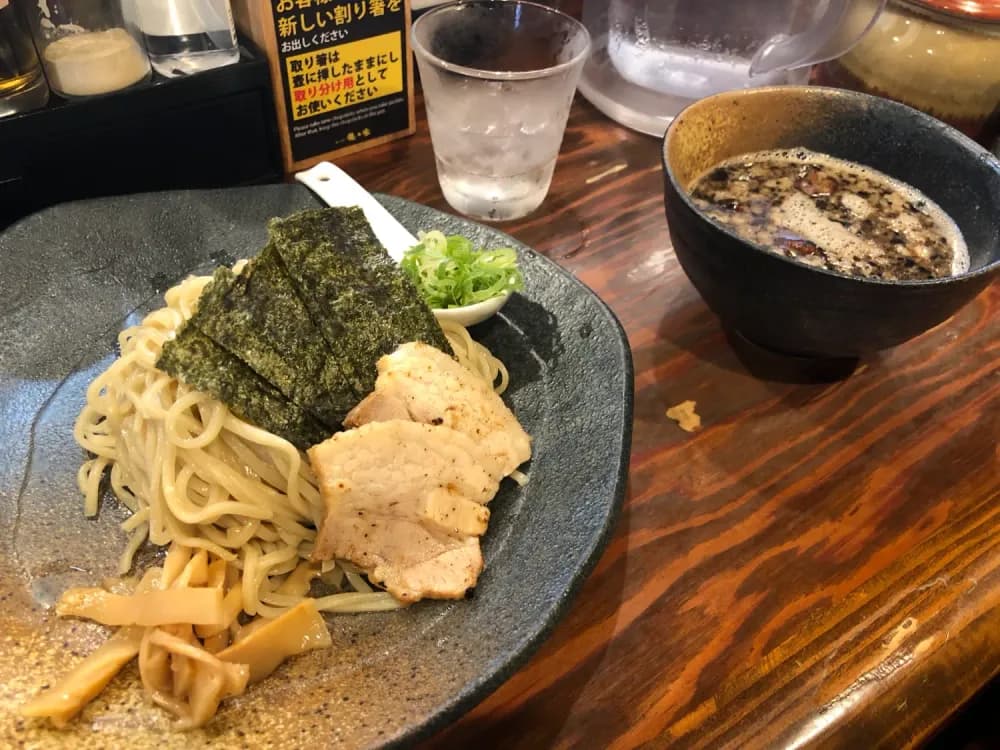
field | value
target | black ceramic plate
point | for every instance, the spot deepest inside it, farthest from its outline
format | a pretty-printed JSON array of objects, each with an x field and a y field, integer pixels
[{"x": 72, "y": 276}]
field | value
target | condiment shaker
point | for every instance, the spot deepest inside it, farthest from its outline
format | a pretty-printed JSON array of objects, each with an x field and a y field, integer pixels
[
  {"x": 87, "y": 47},
  {"x": 187, "y": 36}
]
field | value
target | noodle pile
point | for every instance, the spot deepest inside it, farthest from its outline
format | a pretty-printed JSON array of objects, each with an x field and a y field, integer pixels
[{"x": 237, "y": 506}]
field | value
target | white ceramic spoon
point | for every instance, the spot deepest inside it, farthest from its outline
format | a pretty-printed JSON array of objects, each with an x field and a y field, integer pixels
[{"x": 337, "y": 188}]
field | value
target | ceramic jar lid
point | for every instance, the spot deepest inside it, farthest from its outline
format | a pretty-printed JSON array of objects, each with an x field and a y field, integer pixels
[{"x": 977, "y": 10}]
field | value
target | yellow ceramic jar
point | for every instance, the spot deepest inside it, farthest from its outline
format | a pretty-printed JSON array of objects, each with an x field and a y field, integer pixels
[{"x": 940, "y": 56}]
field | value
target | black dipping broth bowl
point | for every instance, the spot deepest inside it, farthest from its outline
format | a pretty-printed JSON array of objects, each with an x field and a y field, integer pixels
[{"x": 788, "y": 307}]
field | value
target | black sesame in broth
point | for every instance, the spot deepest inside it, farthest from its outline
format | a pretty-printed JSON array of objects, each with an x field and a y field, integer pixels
[{"x": 833, "y": 214}]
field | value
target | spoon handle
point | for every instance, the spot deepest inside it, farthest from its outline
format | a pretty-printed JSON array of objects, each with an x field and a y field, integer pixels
[{"x": 337, "y": 188}]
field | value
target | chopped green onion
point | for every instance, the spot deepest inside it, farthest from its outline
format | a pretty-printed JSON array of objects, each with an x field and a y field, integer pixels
[{"x": 451, "y": 272}]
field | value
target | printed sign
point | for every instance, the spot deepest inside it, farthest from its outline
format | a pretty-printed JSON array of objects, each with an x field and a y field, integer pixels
[{"x": 345, "y": 72}]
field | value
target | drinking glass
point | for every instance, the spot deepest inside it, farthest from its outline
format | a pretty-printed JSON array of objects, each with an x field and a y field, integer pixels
[{"x": 498, "y": 81}]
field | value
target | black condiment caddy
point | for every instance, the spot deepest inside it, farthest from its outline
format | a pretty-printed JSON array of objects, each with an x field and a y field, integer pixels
[{"x": 213, "y": 129}]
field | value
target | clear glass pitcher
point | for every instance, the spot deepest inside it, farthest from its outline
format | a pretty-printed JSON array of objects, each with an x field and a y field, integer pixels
[{"x": 653, "y": 57}]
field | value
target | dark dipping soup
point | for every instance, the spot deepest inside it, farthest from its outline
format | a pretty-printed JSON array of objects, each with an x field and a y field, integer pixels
[{"x": 834, "y": 214}]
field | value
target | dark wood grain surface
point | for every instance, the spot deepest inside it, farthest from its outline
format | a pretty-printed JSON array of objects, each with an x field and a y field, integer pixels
[{"x": 819, "y": 566}]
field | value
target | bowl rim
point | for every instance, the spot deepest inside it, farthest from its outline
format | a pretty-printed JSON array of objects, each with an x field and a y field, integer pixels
[{"x": 974, "y": 149}]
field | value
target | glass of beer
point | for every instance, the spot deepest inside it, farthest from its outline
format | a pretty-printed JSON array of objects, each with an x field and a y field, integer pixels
[{"x": 22, "y": 85}]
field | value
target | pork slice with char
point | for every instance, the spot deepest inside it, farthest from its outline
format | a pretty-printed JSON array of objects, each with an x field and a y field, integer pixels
[
  {"x": 406, "y": 502},
  {"x": 423, "y": 384}
]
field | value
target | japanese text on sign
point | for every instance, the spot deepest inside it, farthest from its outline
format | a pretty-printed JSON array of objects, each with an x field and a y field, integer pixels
[
  {"x": 301, "y": 24},
  {"x": 341, "y": 13},
  {"x": 348, "y": 74}
]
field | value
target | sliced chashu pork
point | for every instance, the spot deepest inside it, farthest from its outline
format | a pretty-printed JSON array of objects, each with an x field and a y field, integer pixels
[
  {"x": 423, "y": 384},
  {"x": 405, "y": 502}
]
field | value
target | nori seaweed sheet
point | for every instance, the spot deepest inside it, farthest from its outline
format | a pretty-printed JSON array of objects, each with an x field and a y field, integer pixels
[
  {"x": 198, "y": 361},
  {"x": 291, "y": 343},
  {"x": 259, "y": 318},
  {"x": 360, "y": 300}
]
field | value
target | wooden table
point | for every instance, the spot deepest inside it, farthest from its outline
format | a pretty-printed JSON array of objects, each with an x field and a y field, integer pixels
[{"x": 819, "y": 566}]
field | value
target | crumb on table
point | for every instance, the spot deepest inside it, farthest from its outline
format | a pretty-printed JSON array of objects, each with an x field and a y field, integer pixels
[{"x": 685, "y": 416}]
